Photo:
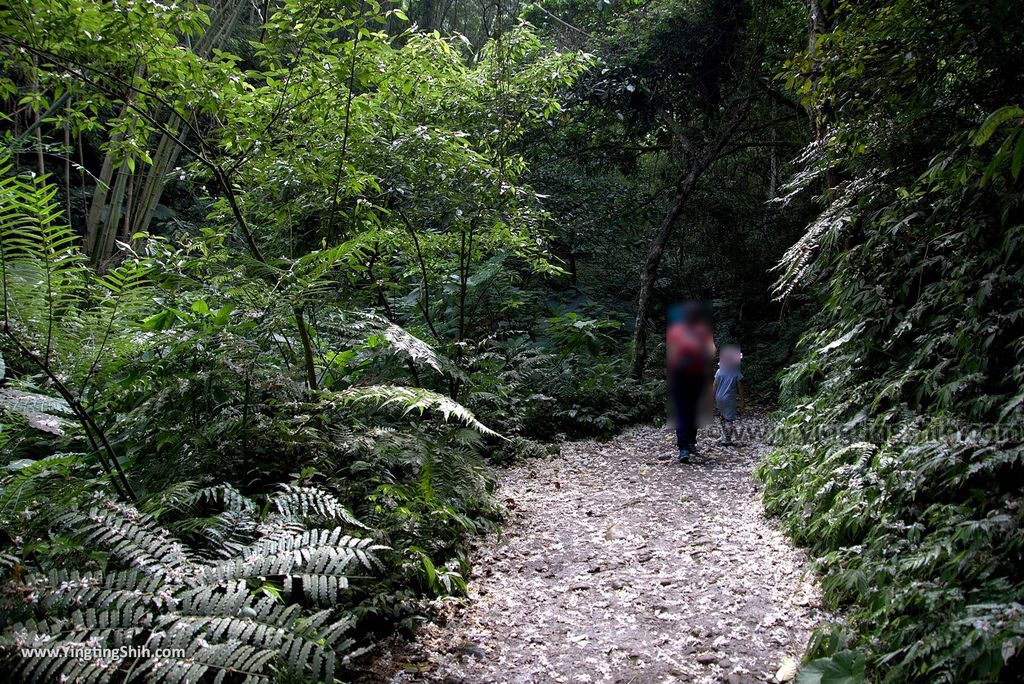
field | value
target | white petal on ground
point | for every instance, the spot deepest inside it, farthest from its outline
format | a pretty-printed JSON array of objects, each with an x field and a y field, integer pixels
[{"x": 630, "y": 570}]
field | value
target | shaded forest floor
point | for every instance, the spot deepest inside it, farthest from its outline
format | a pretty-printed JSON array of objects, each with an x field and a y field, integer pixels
[{"x": 616, "y": 566}]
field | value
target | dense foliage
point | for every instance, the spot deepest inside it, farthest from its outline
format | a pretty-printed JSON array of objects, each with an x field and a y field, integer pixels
[
  {"x": 217, "y": 432},
  {"x": 281, "y": 281},
  {"x": 900, "y": 456}
]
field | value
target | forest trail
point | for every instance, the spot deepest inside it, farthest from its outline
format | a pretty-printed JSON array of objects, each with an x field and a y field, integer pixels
[{"x": 618, "y": 567}]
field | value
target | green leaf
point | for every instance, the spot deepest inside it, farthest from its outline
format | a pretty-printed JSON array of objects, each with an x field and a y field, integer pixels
[
  {"x": 1018, "y": 156},
  {"x": 845, "y": 667},
  {"x": 20, "y": 464},
  {"x": 380, "y": 332},
  {"x": 162, "y": 321},
  {"x": 994, "y": 121},
  {"x": 223, "y": 313},
  {"x": 40, "y": 411},
  {"x": 415, "y": 399},
  {"x": 428, "y": 566}
]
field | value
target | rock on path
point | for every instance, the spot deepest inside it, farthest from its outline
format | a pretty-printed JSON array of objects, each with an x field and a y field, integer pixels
[{"x": 618, "y": 567}]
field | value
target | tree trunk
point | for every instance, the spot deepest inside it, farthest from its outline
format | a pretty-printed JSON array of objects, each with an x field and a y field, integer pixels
[
  {"x": 307, "y": 347},
  {"x": 650, "y": 272},
  {"x": 773, "y": 163},
  {"x": 427, "y": 11},
  {"x": 684, "y": 189},
  {"x": 104, "y": 243},
  {"x": 818, "y": 23},
  {"x": 99, "y": 200},
  {"x": 138, "y": 207},
  {"x": 166, "y": 156}
]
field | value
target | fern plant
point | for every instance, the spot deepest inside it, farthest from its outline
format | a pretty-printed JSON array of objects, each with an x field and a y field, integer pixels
[
  {"x": 45, "y": 285},
  {"x": 251, "y": 612},
  {"x": 899, "y": 459},
  {"x": 184, "y": 366},
  {"x": 41, "y": 272}
]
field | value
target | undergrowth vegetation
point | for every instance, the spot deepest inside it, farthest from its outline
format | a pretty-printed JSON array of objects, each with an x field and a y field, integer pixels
[
  {"x": 171, "y": 483},
  {"x": 260, "y": 433},
  {"x": 899, "y": 462}
]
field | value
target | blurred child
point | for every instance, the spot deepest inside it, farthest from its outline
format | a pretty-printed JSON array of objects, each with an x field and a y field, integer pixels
[{"x": 728, "y": 386}]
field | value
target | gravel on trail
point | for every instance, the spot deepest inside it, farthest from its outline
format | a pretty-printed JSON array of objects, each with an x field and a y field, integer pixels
[{"x": 615, "y": 566}]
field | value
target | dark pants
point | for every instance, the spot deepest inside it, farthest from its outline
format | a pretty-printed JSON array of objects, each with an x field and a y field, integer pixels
[{"x": 685, "y": 390}]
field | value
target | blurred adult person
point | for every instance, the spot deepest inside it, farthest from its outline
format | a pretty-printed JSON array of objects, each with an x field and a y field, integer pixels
[{"x": 690, "y": 346}]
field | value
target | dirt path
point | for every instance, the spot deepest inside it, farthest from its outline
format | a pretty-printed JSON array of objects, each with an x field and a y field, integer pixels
[{"x": 618, "y": 567}]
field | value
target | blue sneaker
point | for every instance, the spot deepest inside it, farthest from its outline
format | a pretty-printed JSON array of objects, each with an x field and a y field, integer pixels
[
  {"x": 693, "y": 449},
  {"x": 684, "y": 456}
]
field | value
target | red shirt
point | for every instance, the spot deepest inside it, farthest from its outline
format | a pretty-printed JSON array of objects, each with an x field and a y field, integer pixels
[{"x": 689, "y": 347}]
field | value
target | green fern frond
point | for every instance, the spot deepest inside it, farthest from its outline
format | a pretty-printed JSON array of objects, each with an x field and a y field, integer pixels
[
  {"x": 41, "y": 412},
  {"x": 402, "y": 342},
  {"x": 798, "y": 263},
  {"x": 42, "y": 271},
  {"x": 415, "y": 399},
  {"x": 128, "y": 535},
  {"x": 51, "y": 478},
  {"x": 220, "y": 516},
  {"x": 201, "y": 658},
  {"x": 28, "y": 403},
  {"x": 311, "y": 274},
  {"x": 123, "y": 294},
  {"x": 326, "y": 555},
  {"x": 206, "y": 610},
  {"x": 130, "y": 593},
  {"x": 177, "y": 497},
  {"x": 227, "y": 497},
  {"x": 301, "y": 503}
]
